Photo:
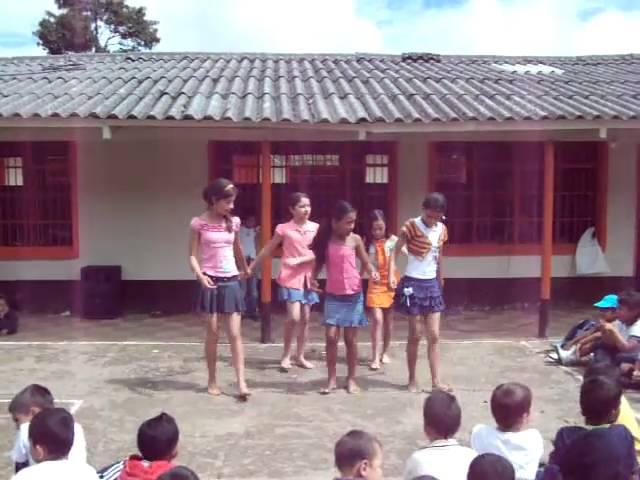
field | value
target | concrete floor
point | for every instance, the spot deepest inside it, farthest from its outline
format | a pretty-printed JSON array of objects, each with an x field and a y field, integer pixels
[{"x": 286, "y": 430}]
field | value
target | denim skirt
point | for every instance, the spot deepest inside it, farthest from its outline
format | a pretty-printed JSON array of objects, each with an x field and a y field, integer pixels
[
  {"x": 345, "y": 310},
  {"x": 293, "y": 295}
]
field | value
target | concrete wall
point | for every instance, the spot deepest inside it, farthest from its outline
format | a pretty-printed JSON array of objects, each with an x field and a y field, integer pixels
[{"x": 138, "y": 192}]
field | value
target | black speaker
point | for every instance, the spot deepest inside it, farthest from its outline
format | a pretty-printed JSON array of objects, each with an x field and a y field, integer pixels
[{"x": 101, "y": 291}]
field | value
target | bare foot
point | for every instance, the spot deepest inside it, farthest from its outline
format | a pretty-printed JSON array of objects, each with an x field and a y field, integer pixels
[
  {"x": 285, "y": 364},
  {"x": 212, "y": 389},
  {"x": 385, "y": 359},
  {"x": 375, "y": 365},
  {"x": 304, "y": 363},
  {"x": 330, "y": 388},
  {"x": 441, "y": 386},
  {"x": 352, "y": 387},
  {"x": 243, "y": 390},
  {"x": 413, "y": 387}
]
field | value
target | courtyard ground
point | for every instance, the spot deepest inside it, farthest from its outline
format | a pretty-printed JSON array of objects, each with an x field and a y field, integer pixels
[{"x": 114, "y": 374}]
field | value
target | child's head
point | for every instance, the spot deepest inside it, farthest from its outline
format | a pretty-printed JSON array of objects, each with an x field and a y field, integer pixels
[
  {"x": 28, "y": 402},
  {"x": 358, "y": 454},
  {"x": 442, "y": 416},
  {"x": 250, "y": 220},
  {"x": 4, "y": 304},
  {"x": 490, "y": 466},
  {"x": 433, "y": 208},
  {"x": 607, "y": 308},
  {"x": 179, "y": 473},
  {"x": 220, "y": 196},
  {"x": 600, "y": 400},
  {"x": 299, "y": 206},
  {"x": 341, "y": 224},
  {"x": 377, "y": 225},
  {"x": 628, "y": 307},
  {"x": 158, "y": 438},
  {"x": 51, "y": 434},
  {"x": 511, "y": 406}
]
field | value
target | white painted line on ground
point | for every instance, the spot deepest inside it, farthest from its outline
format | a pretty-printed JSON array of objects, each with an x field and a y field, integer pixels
[{"x": 73, "y": 406}]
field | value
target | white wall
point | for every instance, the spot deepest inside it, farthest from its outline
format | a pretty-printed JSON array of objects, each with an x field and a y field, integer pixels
[{"x": 138, "y": 192}]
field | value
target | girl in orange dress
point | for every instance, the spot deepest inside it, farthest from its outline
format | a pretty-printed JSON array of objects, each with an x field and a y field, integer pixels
[{"x": 380, "y": 294}]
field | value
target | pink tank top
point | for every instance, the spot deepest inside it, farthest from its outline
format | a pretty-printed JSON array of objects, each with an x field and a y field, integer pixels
[
  {"x": 343, "y": 277},
  {"x": 216, "y": 247}
]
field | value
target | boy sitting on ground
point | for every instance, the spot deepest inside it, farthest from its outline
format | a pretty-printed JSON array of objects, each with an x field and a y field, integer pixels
[
  {"x": 8, "y": 318},
  {"x": 158, "y": 445},
  {"x": 358, "y": 454},
  {"x": 511, "y": 438},
  {"x": 621, "y": 339},
  {"x": 30, "y": 401},
  {"x": 601, "y": 451},
  {"x": 444, "y": 458},
  {"x": 51, "y": 435},
  {"x": 490, "y": 466}
]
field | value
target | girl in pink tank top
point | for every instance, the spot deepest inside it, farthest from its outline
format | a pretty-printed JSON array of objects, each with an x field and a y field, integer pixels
[{"x": 336, "y": 248}]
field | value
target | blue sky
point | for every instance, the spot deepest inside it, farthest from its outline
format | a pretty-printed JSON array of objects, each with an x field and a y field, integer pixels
[{"x": 509, "y": 27}]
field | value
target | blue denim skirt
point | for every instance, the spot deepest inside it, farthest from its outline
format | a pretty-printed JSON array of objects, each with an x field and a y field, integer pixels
[
  {"x": 416, "y": 296},
  {"x": 345, "y": 310},
  {"x": 227, "y": 297},
  {"x": 293, "y": 295}
]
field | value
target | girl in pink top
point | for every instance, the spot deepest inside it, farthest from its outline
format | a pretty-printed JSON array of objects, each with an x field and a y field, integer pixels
[
  {"x": 296, "y": 264},
  {"x": 216, "y": 257},
  {"x": 336, "y": 248}
]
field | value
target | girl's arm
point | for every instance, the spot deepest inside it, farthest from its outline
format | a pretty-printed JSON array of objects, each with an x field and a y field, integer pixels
[
  {"x": 194, "y": 241},
  {"x": 241, "y": 260},
  {"x": 314, "y": 277},
  {"x": 268, "y": 250},
  {"x": 364, "y": 259},
  {"x": 400, "y": 247}
]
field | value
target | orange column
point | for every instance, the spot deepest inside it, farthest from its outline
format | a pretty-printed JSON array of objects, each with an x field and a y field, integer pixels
[
  {"x": 547, "y": 239},
  {"x": 265, "y": 234}
]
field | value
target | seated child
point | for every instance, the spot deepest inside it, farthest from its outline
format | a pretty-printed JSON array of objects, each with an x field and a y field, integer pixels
[
  {"x": 179, "y": 473},
  {"x": 51, "y": 435},
  {"x": 581, "y": 339},
  {"x": 601, "y": 451},
  {"x": 444, "y": 458},
  {"x": 490, "y": 466},
  {"x": 511, "y": 438},
  {"x": 8, "y": 318},
  {"x": 620, "y": 341},
  {"x": 22, "y": 408},
  {"x": 158, "y": 445},
  {"x": 358, "y": 454}
]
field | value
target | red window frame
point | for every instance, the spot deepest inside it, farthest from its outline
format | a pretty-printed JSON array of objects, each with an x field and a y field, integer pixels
[{"x": 31, "y": 252}]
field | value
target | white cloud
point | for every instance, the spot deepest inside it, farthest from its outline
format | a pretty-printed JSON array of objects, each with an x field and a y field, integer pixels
[{"x": 517, "y": 27}]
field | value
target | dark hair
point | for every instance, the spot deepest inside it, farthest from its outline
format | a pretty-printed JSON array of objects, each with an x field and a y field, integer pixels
[
  {"x": 600, "y": 400},
  {"x": 179, "y": 473},
  {"x": 220, "y": 189},
  {"x": 32, "y": 396},
  {"x": 158, "y": 438},
  {"x": 376, "y": 215},
  {"x": 354, "y": 447},
  {"x": 490, "y": 466},
  {"x": 52, "y": 429},
  {"x": 629, "y": 299},
  {"x": 442, "y": 414},
  {"x": 321, "y": 241},
  {"x": 295, "y": 198},
  {"x": 509, "y": 403},
  {"x": 435, "y": 201}
]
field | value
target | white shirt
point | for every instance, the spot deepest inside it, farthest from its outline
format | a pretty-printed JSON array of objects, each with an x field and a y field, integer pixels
[
  {"x": 57, "y": 469},
  {"x": 248, "y": 241},
  {"x": 21, "y": 452},
  {"x": 443, "y": 459},
  {"x": 426, "y": 268},
  {"x": 627, "y": 331},
  {"x": 523, "y": 449}
]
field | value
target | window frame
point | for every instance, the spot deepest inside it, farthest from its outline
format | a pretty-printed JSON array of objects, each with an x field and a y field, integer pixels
[
  {"x": 522, "y": 249},
  {"x": 64, "y": 252}
]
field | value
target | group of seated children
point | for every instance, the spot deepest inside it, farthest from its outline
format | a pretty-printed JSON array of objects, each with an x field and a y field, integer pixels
[{"x": 49, "y": 444}]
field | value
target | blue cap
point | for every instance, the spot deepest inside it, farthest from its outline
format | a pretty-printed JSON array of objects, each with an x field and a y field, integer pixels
[{"x": 608, "y": 301}]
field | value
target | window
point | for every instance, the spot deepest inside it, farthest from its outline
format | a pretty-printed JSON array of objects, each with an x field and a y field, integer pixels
[
  {"x": 495, "y": 193},
  {"x": 37, "y": 207}
]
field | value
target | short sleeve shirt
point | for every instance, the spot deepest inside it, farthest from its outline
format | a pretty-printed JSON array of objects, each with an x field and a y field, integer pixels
[
  {"x": 296, "y": 242},
  {"x": 427, "y": 268},
  {"x": 215, "y": 247},
  {"x": 628, "y": 331}
]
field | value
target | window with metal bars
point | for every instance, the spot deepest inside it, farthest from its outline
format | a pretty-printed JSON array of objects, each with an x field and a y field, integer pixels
[
  {"x": 494, "y": 191},
  {"x": 37, "y": 184}
]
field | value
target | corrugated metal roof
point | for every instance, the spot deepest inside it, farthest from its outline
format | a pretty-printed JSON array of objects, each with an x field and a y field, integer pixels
[{"x": 350, "y": 89}]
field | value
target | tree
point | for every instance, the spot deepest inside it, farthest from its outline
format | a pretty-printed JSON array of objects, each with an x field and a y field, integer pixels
[{"x": 96, "y": 26}]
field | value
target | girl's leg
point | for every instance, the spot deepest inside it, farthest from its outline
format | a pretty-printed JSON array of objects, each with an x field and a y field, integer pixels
[
  {"x": 234, "y": 335},
  {"x": 388, "y": 331},
  {"x": 376, "y": 333},
  {"x": 303, "y": 332},
  {"x": 413, "y": 342},
  {"x": 293, "y": 317},
  {"x": 332, "y": 335},
  {"x": 351, "y": 344},
  {"x": 432, "y": 322},
  {"x": 211, "y": 353}
]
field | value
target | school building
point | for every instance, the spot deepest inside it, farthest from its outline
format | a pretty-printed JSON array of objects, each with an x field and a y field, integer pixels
[{"x": 103, "y": 158}]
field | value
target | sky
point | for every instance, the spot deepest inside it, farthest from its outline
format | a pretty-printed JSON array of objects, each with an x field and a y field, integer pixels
[{"x": 501, "y": 27}]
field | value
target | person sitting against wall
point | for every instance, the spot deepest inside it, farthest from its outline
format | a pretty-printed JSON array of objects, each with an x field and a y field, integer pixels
[{"x": 8, "y": 318}]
